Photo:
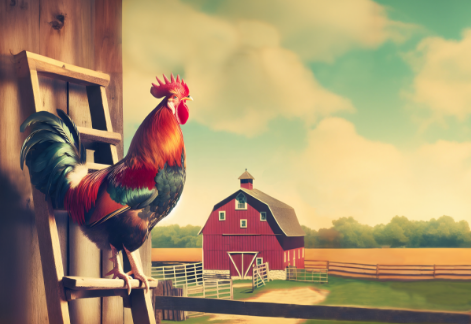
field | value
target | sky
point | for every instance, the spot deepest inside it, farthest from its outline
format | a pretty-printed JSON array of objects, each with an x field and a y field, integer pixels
[{"x": 338, "y": 108}]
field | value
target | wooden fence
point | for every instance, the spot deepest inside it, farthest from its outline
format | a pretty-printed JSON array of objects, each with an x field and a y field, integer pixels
[
  {"x": 392, "y": 272},
  {"x": 165, "y": 288},
  {"x": 260, "y": 275},
  {"x": 318, "y": 312},
  {"x": 310, "y": 275}
]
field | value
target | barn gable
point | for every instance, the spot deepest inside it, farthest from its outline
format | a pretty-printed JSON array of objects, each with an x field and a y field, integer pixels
[{"x": 283, "y": 214}]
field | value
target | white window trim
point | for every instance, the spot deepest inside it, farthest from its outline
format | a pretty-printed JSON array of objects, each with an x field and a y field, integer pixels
[
  {"x": 219, "y": 215},
  {"x": 263, "y": 213},
  {"x": 245, "y": 223},
  {"x": 294, "y": 258},
  {"x": 303, "y": 252},
  {"x": 237, "y": 202},
  {"x": 256, "y": 261}
]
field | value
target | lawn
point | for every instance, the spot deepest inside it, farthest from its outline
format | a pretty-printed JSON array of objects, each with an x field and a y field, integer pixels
[{"x": 444, "y": 295}]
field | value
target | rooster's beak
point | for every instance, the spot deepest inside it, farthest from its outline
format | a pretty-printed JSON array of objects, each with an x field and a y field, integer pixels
[{"x": 188, "y": 98}]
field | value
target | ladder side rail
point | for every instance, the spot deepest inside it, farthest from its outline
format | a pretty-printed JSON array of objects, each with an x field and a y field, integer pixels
[{"x": 48, "y": 236}]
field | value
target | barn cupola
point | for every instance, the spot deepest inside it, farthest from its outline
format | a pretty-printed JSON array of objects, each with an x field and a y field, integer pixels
[{"x": 246, "y": 180}]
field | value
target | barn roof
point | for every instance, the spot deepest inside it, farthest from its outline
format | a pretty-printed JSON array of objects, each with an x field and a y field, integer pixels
[
  {"x": 246, "y": 175},
  {"x": 284, "y": 215}
]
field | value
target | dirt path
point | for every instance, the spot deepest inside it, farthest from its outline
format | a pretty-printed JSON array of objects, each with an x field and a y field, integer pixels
[{"x": 300, "y": 296}]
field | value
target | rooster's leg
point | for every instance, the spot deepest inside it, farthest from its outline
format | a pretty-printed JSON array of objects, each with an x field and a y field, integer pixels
[
  {"x": 136, "y": 268},
  {"x": 117, "y": 270}
]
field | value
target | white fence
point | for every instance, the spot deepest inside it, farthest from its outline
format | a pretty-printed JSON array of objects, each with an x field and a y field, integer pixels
[
  {"x": 260, "y": 275},
  {"x": 190, "y": 278},
  {"x": 182, "y": 275},
  {"x": 317, "y": 275},
  {"x": 213, "y": 288}
]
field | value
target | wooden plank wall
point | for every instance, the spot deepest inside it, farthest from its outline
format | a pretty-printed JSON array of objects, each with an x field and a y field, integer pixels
[{"x": 86, "y": 33}]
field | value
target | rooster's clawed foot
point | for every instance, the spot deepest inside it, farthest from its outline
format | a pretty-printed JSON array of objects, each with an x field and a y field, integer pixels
[
  {"x": 117, "y": 270},
  {"x": 136, "y": 268}
]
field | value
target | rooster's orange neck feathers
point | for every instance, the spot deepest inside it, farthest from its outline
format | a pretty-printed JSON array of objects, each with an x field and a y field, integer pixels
[{"x": 157, "y": 141}]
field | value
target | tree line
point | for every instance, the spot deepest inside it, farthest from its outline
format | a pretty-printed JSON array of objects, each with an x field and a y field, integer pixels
[
  {"x": 347, "y": 232},
  {"x": 174, "y": 236}
]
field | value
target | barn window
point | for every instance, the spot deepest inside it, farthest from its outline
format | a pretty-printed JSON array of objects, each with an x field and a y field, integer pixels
[
  {"x": 241, "y": 201},
  {"x": 243, "y": 223},
  {"x": 222, "y": 215},
  {"x": 263, "y": 216},
  {"x": 259, "y": 261}
]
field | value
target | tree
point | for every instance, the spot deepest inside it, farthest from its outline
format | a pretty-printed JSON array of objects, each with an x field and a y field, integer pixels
[{"x": 174, "y": 236}]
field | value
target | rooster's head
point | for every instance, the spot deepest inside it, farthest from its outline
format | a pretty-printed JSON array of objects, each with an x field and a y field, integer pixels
[{"x": 176, "y": 94}]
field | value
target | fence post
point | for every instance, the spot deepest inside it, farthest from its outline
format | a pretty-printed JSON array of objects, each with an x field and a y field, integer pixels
[
  {"x": 186, "y": 276},
  {"x": 232, "y": 294},
  {"x": 434, "y": 269},
  {"x": 268, "y": 272},
  {"x": 377, "y": 271},
  {"x": 217, "y": 288}
]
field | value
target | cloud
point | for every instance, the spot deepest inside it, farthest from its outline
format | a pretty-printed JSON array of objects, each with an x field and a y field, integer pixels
[
  {"x": 238, "y": 73},
  {"x": 320, "y": 30},
  {"x": 345, "y": 174},
  {"x": 341, "y": 173},
  {"x": 442, "y": 82}
]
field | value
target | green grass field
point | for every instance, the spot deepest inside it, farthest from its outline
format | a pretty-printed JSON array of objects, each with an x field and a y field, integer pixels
[{"x": 425, "y": 295}]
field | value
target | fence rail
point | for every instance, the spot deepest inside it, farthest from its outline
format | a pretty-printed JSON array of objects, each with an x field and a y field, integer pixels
[
  {"x": 190, "y": 274},
  {"x": 260, "y": 275},
  {"x": 391, "y": 271},
  {"x": 320, "y": 312},
  {"x": 310, "y": 275},
  {"x": 214, "y": 288}
]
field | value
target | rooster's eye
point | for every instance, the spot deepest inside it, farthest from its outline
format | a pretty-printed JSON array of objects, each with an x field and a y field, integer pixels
[{"x": 175, "y": 97}]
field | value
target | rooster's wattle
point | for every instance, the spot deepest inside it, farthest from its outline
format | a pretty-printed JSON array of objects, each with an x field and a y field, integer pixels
[{"x": 118, "y": 206}]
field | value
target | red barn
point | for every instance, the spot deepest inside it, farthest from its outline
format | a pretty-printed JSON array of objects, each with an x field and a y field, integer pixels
[{"x": 250, "y": 227}]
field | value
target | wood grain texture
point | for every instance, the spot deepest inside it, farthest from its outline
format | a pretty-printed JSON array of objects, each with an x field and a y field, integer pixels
[
  {"x": 50, "y": 251},
  {"x": 108, "y": 58},
  {"x": 69, "y": 73},
  {"x": 95, "y": 135},
  {"x": 23, "y": 296},
  {"x": 83, "y": 283},
  {"x": 219, "y": 306},
  {"x": 66, "y": 35},
  {"x": 141, "y": 307},
  {"x": 63, "y": 30}
]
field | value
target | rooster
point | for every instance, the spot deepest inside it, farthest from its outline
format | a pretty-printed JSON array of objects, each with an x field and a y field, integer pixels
[{"x": 117, "y": 207}]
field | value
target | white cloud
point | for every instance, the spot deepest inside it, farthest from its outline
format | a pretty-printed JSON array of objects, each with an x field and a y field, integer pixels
[
  {"x": 341, "y": 174},
  {"x": 442, "y": 82},
  {"x": 322, "y": 30},
  {"x": 345, "y": 174},
  {"x": 240, "y": 76}
]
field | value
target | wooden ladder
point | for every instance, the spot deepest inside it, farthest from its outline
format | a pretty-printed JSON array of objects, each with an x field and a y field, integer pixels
[{"x": 61, "y": 289}]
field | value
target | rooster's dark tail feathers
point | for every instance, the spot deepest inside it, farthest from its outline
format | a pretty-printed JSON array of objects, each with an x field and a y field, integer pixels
[{"x": 51, "y": 151}]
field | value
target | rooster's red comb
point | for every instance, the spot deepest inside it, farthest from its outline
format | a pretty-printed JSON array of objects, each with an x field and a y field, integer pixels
[{"x": 167, "y": 88}]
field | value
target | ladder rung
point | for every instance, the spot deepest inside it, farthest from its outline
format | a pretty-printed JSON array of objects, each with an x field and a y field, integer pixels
[
  {"x": 84, "y": 283},
  {"x": 96, "y": 166},
  {"x": 95, "y": 135},
  {"x": 79, "y": 294},
  {"x": 63, "y": 71}
]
